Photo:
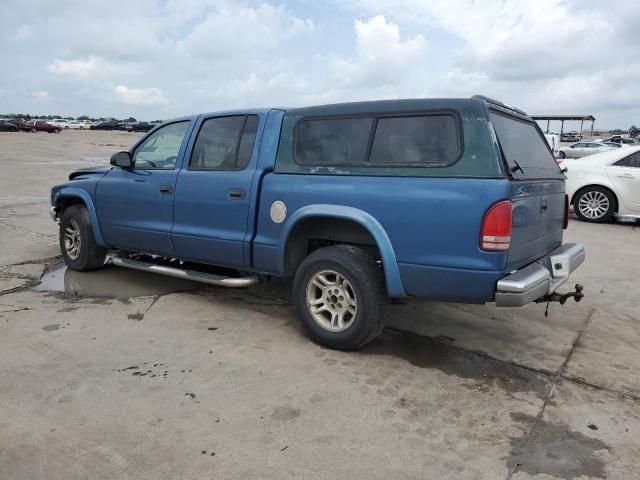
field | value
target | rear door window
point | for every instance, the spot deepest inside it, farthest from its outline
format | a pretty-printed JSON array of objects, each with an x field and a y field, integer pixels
[
  {"x": 525, "y": 150},
  {"x": 224, "y": 143}
]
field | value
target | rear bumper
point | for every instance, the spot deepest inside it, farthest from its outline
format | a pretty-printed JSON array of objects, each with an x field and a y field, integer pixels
[{"x": 539, "y": 278}]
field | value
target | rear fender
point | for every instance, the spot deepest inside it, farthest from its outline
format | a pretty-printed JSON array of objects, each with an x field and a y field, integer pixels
[
  {"x": 70, "y": 192},
  {"x": 395, "y": 288}
]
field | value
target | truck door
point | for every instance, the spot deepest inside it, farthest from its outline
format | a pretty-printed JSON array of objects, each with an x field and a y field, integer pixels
[
  {"x": 211, "y": 206},
  {"x": 135, "y": 205}
]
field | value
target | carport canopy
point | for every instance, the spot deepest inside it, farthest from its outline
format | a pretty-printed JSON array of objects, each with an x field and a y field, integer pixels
[{"x": 563, "y": 118}]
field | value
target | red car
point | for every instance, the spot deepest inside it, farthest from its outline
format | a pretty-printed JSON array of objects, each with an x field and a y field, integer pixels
[{"x": 40, "y": 126}]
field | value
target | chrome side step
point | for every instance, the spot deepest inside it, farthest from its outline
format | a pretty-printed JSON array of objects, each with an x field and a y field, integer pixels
[{"x": 196, "y": 276}]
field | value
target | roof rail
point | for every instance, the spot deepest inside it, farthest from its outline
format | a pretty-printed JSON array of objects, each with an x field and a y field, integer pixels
[{"x": 500, "y": 104}]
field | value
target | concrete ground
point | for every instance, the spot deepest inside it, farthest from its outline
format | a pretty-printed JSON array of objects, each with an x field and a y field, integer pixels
[{"x": 119, "y": 374}]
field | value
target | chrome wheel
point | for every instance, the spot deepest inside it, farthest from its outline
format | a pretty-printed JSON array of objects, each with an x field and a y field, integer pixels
[
  {"x": 593, "y": 205},
  {"x": 72, "y": 240},
  {"x": 331, "y": 301}
]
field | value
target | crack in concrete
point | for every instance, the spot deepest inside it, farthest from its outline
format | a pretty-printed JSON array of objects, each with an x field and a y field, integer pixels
[
  {"x": 559, "y": 375},
  {"x": 15, "y": 227},
  {"x": 33, "y": 281}
]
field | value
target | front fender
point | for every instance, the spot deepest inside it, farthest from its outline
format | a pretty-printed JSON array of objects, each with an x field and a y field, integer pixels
[
  {"x": 71, "y": 192},
  {"x": 389, "y": 262}
]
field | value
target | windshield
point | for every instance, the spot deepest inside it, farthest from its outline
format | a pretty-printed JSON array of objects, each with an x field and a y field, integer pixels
[{"x": 525, "y": 149}]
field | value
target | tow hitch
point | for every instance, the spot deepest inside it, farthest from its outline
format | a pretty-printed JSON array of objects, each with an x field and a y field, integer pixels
[{"x": 562, "y": 298}]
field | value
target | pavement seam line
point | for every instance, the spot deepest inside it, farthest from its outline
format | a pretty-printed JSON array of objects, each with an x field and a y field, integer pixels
[
  {"x": 15, "y": 227},
  {"x": 556, "y": 380}
]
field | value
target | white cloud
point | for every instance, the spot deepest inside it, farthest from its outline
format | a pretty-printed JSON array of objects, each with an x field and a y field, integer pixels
[
  {"x": 382, "y": 58},
  {"x": 140, "y": 96},
  {"x": 81, "y": 67},
  {"x": 24, "y": 32},
  {"x": 40, "y": 96}
]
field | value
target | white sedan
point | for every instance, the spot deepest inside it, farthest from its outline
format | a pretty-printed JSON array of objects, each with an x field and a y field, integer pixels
[
  {"x": 605, "y": 185},
  {"x": 582, "y": 149},
  {"x": 79, "y": 124}
]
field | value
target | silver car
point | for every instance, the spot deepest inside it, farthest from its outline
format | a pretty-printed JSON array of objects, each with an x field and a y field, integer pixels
[{"x": 582, "y": 149}]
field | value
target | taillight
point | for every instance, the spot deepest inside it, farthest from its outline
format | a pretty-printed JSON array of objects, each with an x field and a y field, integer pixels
[
  {"x": 566, "y": 212},
  {"x": 495, "y": 235}
]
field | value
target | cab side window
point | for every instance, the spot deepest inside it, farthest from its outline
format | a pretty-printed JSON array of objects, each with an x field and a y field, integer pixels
[
  {"x": 224, "y": 143},
  {"x": 160, "y": 150},
  {"x": 632, "y": 161}
]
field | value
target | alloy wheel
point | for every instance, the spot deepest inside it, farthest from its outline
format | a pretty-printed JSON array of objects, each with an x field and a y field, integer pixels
[
  {"x": 72, "y": 240},
  {"x": 331, "y": 301},
  {"x": 593, "y": 205}
]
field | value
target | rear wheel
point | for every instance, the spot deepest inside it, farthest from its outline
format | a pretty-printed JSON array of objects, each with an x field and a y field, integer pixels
[
  {"x": 594, "y": 204},
  {"x": 340, "y": 297},
  {"x": 77, "y": 243}
]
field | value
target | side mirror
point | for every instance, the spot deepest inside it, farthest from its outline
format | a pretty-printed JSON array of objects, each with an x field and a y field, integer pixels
[{"x": 121, "y": 159}]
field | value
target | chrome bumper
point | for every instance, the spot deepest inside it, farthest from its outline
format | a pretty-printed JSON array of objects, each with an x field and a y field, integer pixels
[{"x": 539, "y": 278}]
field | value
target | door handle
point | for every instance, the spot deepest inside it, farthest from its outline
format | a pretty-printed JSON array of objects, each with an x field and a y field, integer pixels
[
  {"x": 166, "y": 189},
  {"x": 236, "y": 194},
  {"x": 626, "y": 175}
]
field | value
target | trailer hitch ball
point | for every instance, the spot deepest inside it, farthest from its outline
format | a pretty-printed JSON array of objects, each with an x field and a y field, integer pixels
[{"x": 562, "y": 298}]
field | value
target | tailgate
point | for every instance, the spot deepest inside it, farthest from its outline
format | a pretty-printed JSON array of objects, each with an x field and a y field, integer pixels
[
  {"x": 538, "y": 220},
  {"x": 537, "y": 188}
]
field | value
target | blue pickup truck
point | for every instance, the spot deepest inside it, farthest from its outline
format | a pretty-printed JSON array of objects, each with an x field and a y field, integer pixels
[{"x": 458, "y": 200}]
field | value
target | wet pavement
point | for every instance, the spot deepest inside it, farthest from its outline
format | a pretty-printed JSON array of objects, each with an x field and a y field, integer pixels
[
  {"x": 110, "y": 282},
  {"x": 126, "y": 374}
]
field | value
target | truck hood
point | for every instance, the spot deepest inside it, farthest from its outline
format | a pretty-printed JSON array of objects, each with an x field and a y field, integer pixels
[{"x": 89, "y": 171}]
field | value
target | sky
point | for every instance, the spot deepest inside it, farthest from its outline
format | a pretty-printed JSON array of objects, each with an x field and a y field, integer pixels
[{"x": 157, "y": 59}]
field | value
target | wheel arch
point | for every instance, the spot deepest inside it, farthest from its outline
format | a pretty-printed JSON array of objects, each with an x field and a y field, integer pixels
[
  {"x": 77, "y": 196},
  {"x": 347, "y": 225}
]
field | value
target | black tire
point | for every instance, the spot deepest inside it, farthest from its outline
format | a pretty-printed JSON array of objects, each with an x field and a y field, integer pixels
[
  {"x": 367, "y": 283},
  {"x": 88, "y": 256},
  {"x": 562, "y": 155},
  {"x": 594, "y": 192}
]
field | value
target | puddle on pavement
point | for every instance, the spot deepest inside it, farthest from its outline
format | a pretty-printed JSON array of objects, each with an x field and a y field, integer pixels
[
  {"x": 426, "y": 352},
  {"x": 555, "y": 450},
  {"x": 114, "y": 282}
]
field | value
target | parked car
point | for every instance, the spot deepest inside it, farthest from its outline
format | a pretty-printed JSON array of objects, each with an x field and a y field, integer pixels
[
  {"x": 40, "y": 126},
  {"x": 140, "y": 127},
  {"x": 571, "y": 137},
  {"x": 79, "y": 124},
  {"x": 60, "y": 122},
  {"x": 582, "y": 149},
  {"x": 357, "y": 202},
  {"x": 6, "y": 126},
  {"x": 614, "y": 144},
  {"x": 606, "y": 185},
  {"x": 108, "y": 125}
]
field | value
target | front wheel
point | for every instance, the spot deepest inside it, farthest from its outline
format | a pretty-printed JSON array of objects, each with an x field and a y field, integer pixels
[
  {"x": 77, "y": 243},
  {"x": 562, "y": 155},
  {"x": 594, "y": 204},
  {"x": 340, "y": 297}
]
